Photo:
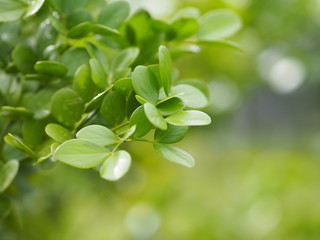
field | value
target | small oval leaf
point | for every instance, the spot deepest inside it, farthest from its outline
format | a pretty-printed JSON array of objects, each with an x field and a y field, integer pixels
[
  {"x": 98, "y": 134},
  {"x": 8, "y": 172},
  {"x": 113, "y": 108},
  {"x": 51, "y": 68},
  {"x": 80, "y": 153},
  {"x": 58, "y": 133},
  {"x": 190, "y": 95},
  {"x": 154, "y": 116},
  {"x": 143, "y": 125},
  {"x": 115, "y": 166},
  {"x": 172, "y": 135},
  {"x": 170, "y": 106},
  {"x": 174, "y": 154},
  {"x": 189, "y": 118}
]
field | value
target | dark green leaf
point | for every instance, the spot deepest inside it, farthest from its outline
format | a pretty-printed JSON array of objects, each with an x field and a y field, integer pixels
[
  {"x": 218, "y": 24},
  {"x": 67, "y": 107},
  {"x": 155, "y": 69},
  {"x": 113, "y": 108},
  {"x": 143, "y": 125},
  {"x": 115, "y": 166},
  {"x": 189, "y": 118},
  {"x": 132, "y": 104},
  {"x": 73, "y": 58},
  {"x": 5, "y": 206},
  {"x": 16, "y": 143},
  {"x": 8, "y": 172},
  {"x": 145, "y": 84},
  {"x": 24, "y": 58},
  {"x": 83, "y": 84},
  {"x": 98, "y": 74},
  {"x": 58, "y": 132},
  {"x": 96, "y": 101},
  {"x": 124, "y": 86},
  {"x": 191, "y": 96},
  {"x": 173, "y": 134},
  {"x": 114, "y": 14},
  {"x": 68, "y": 6},
  {"x": 80, "y": 30},
  {"x": 51, "y": 68},
  {"x": 174, "y": 154},
  {"x": 80, "y": 153},
  {"x": 165, "y": 65},
  {"x": 154, "y": 116},
  {"x": 170, "y": 106},
  {"x": 78, "y": 16},
  {"x": 98, "y": 134}
]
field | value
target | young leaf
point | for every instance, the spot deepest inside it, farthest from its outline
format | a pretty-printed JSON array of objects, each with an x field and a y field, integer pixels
[
  {"x": 141, "y": 100},
  {"x": 98, "y": 134},
  {"x": 145, "y": 84},
  {"x": 113, "y": 108},
  {"x": 114, "y": 14},
  {"x": 80, "y": 153},
  {"x": 83, "y": 84},
  {"x": 16, "y": 143},
  {"x": 154, "y": 116},
  {"x": 170, "y": 106},
  {"x": 174, "y": 154},
  {"x": 58, "y": 133},
  {"x": 67, "y": 107},
  {"x": 189, "y": 118},
  {"x": 98, "y": 75},
  {"x": 172, "y": 135},
  {"x": 138, "y": 118},
  {"x": 51, "y": 68},
  {"x": 190, "y": 95},
  {"x": 218, "y": 24},
  {"x": 115, "y": 166},
  {"x": 165, "y": 64},
  {"x": 8, "y": 172}
]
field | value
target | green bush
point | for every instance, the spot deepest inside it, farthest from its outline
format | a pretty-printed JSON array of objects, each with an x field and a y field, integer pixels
[{"x": 80, "y": 80}]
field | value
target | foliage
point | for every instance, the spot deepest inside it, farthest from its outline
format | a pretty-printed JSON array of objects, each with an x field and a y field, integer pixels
[{"x": 76, "y": 84}]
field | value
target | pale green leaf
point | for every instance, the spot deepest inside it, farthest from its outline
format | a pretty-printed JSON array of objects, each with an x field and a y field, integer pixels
[
  {"x": 154, "y": 116},
  {"x": 190, "y": 95},
  {"x": 98, "y": 134},
  {"x": 58, "y": 132},
  {"x": 8, "y": 172},
  {"x": 189, "y": 118}
]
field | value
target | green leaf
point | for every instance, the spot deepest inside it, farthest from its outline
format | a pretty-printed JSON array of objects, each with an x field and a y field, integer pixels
[
  {"x": 40, "y": 103},
  {"x": 98, "y": 134},
  {"x": 73, "y": 58},
  {"x": 141, "y": 100},
  {"x": 173, "y": 134},
  {"x": 96, "y": 101},
  {"x": 220, "y": 43},
  {"x": 8, "y": 172},
  {"x": 67, "y": 107},
  {"x": 80, "y": 153},
  {"x": 67, "y": 6},
  {"x": 202, "y": 86},
  {"x": 80, "y": 30},
  {"x": 24, "y": 58},
  {"x": 170, "y": 106},
  {"x": 15, "y": 112},
  {"x": 132, "y": 104},
  {"x": 11, "y": 10},
  {"x": 114, "y": 14},
  {"x": 143, "y": 125},
  {"x": 165, "y": 65},
  {"x": 97, "y": 53},
  {"x": 51, "y": 68},
  {"x": 83, "y": 84},
  {"x": 78, "y": 16},
  {"x": 124, "y": 86},
  {"x": 113, "y": 108},
  {"x": 218, "y": 24},
  {"x": 115, "y": 166},
  {"x": 128, "y": 133},
  {"x": 189, "y": 118},
  {"x": 98, "y": 74},
  {"x": 155, "y": 69},
  {"x": 16, "y": 143},
  {"x": 185, "y": 27},
  {"x": 5, "y": 206},
  {"x": 104, "y": 31},
  {"x": 44, "y": 151},
  {"x": 174, "y": 154},
  {"x": 34, "y": 6},
  {"x": 154, "y": 116},
  {"x": 58, "y": 132},
  {"x": 145, "y": 84},
  {"x": 190, "y": 95},
  {"x": 124, "y": 58},
  {"x": 32, "y": 132}
]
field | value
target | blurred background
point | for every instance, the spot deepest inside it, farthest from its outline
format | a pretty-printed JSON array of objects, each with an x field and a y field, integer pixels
[{"x": 257, "y": 172}]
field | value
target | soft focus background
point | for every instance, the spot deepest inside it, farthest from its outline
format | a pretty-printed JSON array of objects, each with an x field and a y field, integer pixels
[{"x": 258, "y": 171}]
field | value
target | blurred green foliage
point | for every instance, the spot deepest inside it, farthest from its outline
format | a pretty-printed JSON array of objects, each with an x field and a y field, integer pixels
[{"x": 258, "y": 164}]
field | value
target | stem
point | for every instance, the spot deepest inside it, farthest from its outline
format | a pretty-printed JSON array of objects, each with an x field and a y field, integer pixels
[{"x": 120, "y": 126}]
